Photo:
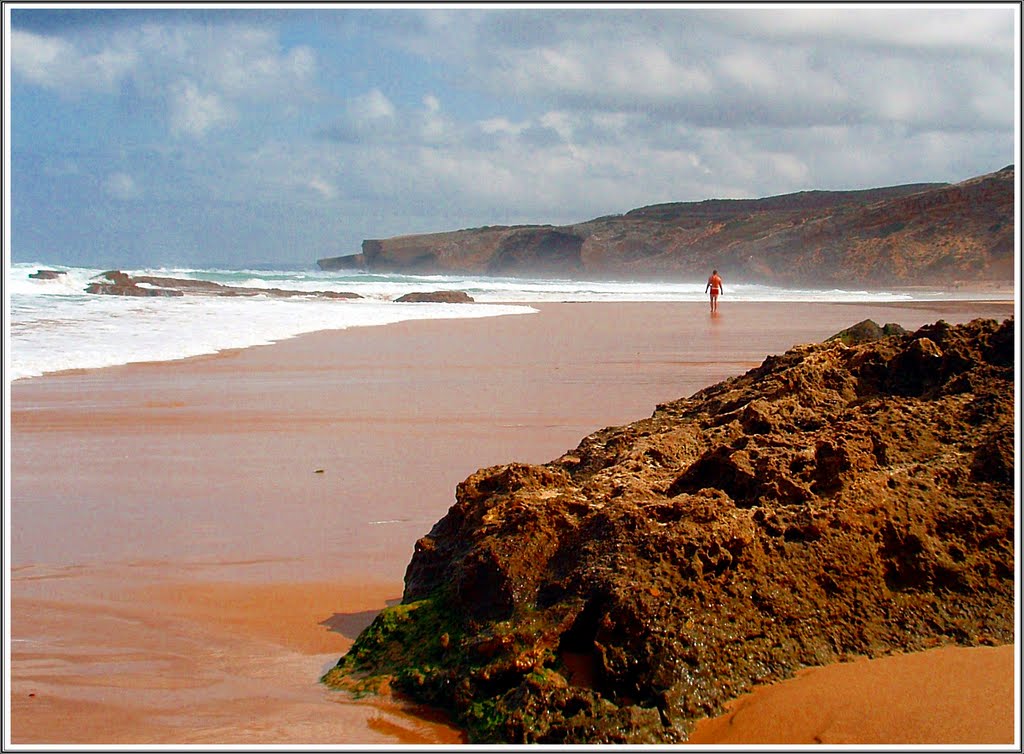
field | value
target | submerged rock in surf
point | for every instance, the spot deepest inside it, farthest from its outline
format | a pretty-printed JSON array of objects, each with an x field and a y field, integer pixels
[
  {"x": 436, "y": 297},
  {"x": 115, "y": 282}
]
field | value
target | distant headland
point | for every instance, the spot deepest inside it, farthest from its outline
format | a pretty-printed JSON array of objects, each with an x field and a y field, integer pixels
[{"x": 914, "y": 234}]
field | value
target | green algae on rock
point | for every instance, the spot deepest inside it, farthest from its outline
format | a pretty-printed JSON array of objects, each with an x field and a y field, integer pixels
[
  {"x": 866, "y": 331},
  {"x": 837, "y": 501}
]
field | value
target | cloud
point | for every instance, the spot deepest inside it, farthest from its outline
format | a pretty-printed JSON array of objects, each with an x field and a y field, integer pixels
[
  {"x": 434, "y": 125},
  {"x": 369, "y": 116},
  {"x": 193, "y": 113},
  {"x": 323, "y": 188},
  {"x": 54, "y": 63},
  {"x": 741, "y": 67},
  {"x": 370, "y": 107},
  {"x": 576, "y": 71},
  {"x": 122, "y": 186},
  {"x": 372, "y": 118},
  {"x": 250, "y": 64},
  {"x": 937, "y": 29},
  {"x": 205, "y": 75}
]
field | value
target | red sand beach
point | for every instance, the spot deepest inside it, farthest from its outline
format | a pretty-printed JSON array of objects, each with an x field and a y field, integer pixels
[{"x": 193, "y": 543}]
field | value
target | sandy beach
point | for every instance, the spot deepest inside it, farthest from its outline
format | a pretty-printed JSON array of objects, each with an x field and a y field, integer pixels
[{"x": 194, "y": 543}]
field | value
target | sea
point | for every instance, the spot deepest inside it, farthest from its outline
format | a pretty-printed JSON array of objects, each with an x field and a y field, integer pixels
[{"x": 54, "y": 325}]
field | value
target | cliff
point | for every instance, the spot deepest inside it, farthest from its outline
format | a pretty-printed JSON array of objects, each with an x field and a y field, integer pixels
[
  {"x": 918, "y": 234},
  {"x": 843, "y": 499}
]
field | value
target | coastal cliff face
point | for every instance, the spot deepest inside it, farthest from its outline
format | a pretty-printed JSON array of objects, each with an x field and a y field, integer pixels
[
  {"x": 837, "y": 501},
  {"x": 920, "y": 234}
]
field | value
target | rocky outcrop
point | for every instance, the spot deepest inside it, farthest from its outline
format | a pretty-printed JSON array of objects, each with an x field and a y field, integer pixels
[
  {"x": 347, "y": 262},
  {"x": 436, "y": 297},
  {"x": 47, "y": 274},
  {"x": 117, "y": 283},
  {"x": 918, "y": 234},
  {"x": 837, "y": 501},
  {"x": 867, "y": 331},
  {"x": 120, "y": 283}
]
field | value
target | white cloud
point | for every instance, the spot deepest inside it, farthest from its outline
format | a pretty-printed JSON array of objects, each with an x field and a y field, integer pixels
[
  {"x": 371, "y": 106},
  {"x": 748, "y": 70},
  {"x": 54, "y": 63},
  {"x": 372, "y": 117},
  {"x": 323, "y": 188},
  {"x": 501, "y": 126},
  {"x": 561, "y": 123},
  {"x": 976, "y": 29},
  {"x": 206, "y": 74},
  {"x": 193, "y": 112},
  {"x": 743, "y": 67},
  {"x": 435, "y": 126},
  {"x": 250, "y": 64},
  {"x": 122, "y": 186},
  {"x": 577, "y": 70}
]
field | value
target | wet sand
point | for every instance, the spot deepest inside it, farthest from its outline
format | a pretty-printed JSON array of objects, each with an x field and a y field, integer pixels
[{"x": 193, "y": 543}]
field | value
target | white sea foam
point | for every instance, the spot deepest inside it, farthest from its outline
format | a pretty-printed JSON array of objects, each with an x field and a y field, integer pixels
[{"x": 54, "y": 325}]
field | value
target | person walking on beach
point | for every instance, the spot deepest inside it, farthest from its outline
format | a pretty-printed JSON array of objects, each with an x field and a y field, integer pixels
[{"x": 715, "y": 287}]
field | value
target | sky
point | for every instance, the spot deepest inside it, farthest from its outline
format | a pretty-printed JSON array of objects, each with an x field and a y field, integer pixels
[{"x": 254, "y": 136}]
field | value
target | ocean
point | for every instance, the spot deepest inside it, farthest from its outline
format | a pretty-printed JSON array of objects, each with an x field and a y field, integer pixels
[{"x": 54, "y": 325}]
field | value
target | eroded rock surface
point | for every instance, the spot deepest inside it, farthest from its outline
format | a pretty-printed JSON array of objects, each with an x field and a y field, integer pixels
[{"x": 837, "y": 501}]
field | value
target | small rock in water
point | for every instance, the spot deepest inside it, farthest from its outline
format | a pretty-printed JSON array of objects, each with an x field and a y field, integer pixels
[
  {"x": 47, "y": 274},
  {"x": 437, "y": 297}
]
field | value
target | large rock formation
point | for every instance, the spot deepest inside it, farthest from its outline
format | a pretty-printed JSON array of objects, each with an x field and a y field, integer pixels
[
  {"x": 117, "y": 283},
  {"x": 837, "y": 501},
  {"x": 931, "y": 234},
  {"x": 435, "y": 297}
]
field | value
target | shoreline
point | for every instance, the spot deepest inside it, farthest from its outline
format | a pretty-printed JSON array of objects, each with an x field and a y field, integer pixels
[
  {"x": 974, "y": 297},
  {"x": 261, "y": 504}
]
